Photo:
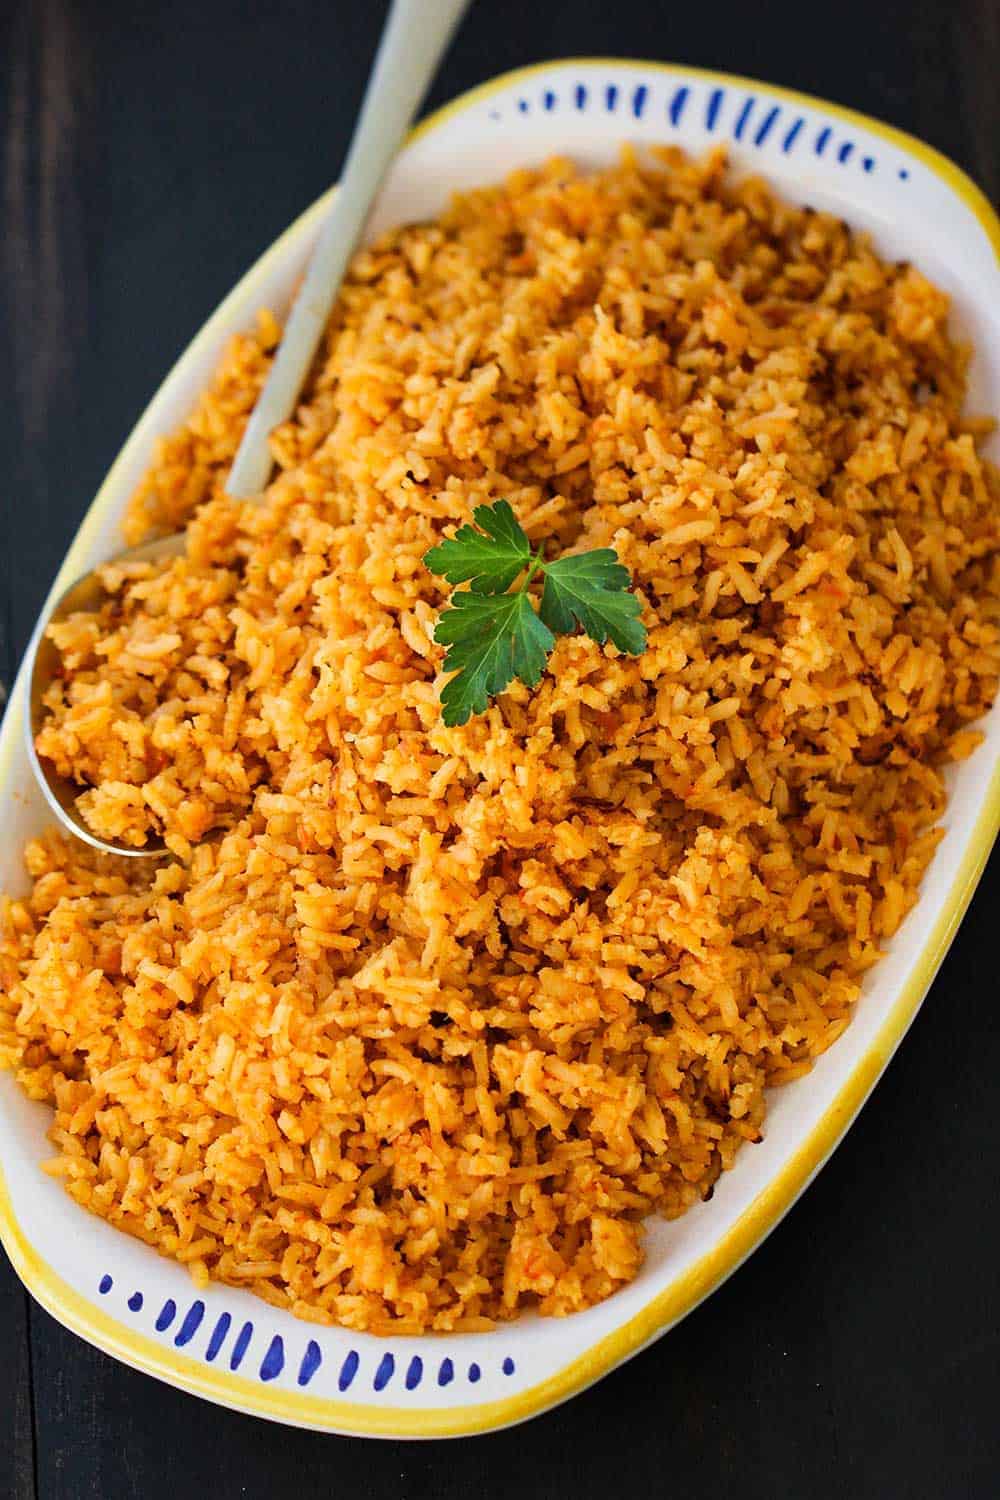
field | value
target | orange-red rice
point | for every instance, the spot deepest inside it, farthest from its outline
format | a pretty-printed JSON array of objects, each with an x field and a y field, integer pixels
[{"x": 443, "y": 1014}]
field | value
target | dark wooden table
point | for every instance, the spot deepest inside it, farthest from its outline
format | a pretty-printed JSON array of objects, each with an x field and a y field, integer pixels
[{"x": 151, "y": 149}]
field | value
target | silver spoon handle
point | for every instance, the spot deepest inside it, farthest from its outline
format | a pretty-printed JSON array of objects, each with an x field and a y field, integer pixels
[{"x": 414, "y": 38}]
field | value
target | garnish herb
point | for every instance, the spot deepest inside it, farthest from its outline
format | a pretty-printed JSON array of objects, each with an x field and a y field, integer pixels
[{"x": 493, "y": 635}]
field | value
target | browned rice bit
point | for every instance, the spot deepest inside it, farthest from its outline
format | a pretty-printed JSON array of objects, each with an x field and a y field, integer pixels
[{"x": 435, "y": 1017}]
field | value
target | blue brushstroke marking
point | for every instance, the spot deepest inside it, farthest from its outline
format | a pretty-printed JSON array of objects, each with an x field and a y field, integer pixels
[
  {"x": 446, "y": 1374},
  {"x": 549, "y": 99},
  {"x": 523, "y": 106},
  {"x": 822, "y": 139},
  {"x": 792, "y": 135},
  {"x": 414, "y": 1373},
  {"x": 168, "y": 1313},
  {"x": 765, "y": 126},
  {"x": 845, "y": 151},
  {"x": 639, "y": 100},
  {"x": 383, "y": 1374},
  {"x": 904, "y": 172},
  {"x": 474, "y": 1373},
  {"x": 191, "y": 1324},
  {"x": 311, "y": 1361},
  {"x": 611, "y": 95},
  {"x": 218, "y": 1338},
  {"x": 581, "y": 96},
  {"x": 508, "y": 1366},
  {"x": 135, "y": 1302},
  {"x": 105, "y": 1285},
  {"x": 868, "y": 162},
  {"x": 743, "y": 117},
  {"x": 348, "y": 1370},
  {"x": 715, "y": 99},
  {"x": 273, "y": 1362},
  {"x": 240, "y": 1347},
  {"x": 494, "y": 114},
  {"x": 677, "y": 104}
]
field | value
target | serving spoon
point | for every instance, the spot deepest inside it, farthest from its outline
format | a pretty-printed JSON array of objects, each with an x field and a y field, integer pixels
[{"x": 415, "y": 36}]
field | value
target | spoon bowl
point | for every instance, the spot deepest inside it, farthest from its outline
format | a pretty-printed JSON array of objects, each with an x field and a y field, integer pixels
[{"x": 44, "y": 663}]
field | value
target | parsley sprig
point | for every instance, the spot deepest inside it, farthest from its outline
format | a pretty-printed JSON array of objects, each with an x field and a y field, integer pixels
[{"x": 494, "y": 635}]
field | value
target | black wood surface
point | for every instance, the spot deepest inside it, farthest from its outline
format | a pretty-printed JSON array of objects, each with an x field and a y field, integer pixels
[{"x": 151, "y": 149}]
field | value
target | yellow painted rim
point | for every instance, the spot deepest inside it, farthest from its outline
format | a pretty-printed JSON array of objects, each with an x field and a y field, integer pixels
[{"x": 82, "y": 1317}]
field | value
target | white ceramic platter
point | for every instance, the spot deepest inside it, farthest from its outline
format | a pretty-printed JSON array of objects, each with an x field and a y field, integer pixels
[{"x": 231, "y": 1347}]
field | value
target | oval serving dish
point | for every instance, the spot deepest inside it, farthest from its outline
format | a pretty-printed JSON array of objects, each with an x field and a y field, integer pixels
[{"x": 228, "y": 1345}]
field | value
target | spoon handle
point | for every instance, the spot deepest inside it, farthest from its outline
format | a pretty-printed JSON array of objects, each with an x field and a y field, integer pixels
[{"x": 414, "y": 38}]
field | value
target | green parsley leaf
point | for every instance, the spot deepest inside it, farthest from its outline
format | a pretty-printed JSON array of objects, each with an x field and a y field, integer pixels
[
  {"x": 488, "y": 559},
  {"x": 493, "y": 635},
  {"x": 590, "y": 589},
  {"x": 491, "y": 639}
]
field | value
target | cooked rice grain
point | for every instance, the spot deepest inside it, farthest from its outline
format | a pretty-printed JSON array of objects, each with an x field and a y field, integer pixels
[{"x": 440, "y": 1015}]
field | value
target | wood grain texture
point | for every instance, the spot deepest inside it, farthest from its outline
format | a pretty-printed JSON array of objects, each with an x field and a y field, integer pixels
[
  {"x": 17, "y": 1446},
  {"x": 151, "y": 148}
]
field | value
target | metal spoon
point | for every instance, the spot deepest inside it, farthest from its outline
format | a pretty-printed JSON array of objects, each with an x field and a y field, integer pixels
[{"x": 413, "y": 41}]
